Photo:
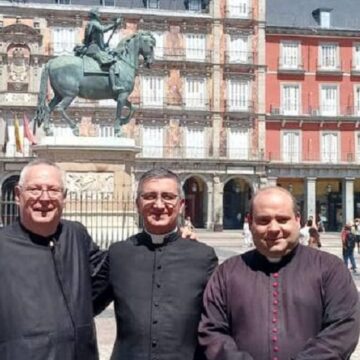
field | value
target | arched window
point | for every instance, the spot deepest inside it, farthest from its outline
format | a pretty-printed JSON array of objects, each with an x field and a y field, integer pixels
[{"x": 8, "y": 208}]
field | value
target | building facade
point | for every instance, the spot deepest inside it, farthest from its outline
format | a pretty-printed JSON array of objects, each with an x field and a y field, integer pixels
[
  {"x": 200, "y": 107},
  {"x": 312, "y": 105}
]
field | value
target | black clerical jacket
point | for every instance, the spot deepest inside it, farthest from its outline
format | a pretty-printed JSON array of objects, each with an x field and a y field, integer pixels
[
  {"x": 45, "y": 299},
  {"x": 157, "y": 292},
  {"x": 304, "y": 307}
]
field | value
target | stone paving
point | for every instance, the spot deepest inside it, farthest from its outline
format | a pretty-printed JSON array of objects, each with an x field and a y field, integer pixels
[{"x": 226, "y": 244}]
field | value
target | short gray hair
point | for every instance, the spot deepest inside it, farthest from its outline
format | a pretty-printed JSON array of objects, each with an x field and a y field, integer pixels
[
  {"x": 38, "y": 162},
  {"x": 159, "y": 173}
]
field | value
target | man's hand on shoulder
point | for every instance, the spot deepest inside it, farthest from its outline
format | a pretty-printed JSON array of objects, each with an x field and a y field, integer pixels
[{"x": 186, "y": 233}]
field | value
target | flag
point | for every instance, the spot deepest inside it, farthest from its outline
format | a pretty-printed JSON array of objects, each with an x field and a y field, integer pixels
[
  {"x": 17, "y": 135},
  {"x": 27, "y": 131},
  {"x": 5, "y": 134}
]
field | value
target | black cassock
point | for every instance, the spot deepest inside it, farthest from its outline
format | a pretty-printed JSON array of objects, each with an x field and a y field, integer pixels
[
  {"x": 157, "y": 292},
  {"x": 305, "y": 307},
  {"x": 45, "y": 299}
]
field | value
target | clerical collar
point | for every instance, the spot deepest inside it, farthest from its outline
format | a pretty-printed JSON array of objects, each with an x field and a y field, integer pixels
[
  {"x": 273, "y": 260},
  {"x": 159, "y": 238}
]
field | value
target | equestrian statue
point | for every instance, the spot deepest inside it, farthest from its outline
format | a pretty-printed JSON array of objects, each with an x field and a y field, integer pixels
[{"x": 95, "y": 72}]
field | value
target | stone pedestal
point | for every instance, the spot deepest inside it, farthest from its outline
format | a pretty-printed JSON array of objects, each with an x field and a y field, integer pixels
[
  {"x": 83, "y": 159},
  {"x": 99, "y": 181}
]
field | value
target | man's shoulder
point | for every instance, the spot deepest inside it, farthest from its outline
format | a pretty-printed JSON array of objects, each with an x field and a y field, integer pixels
[
  {"x": 195, "y": 246},
  {"x": 72, "y": 225},
  {"x": 124, "y": 244},
  {"x": 318, "y": 257}
]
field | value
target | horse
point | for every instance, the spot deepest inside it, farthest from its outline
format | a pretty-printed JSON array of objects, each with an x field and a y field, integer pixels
[{"x": 67, "y": 79}]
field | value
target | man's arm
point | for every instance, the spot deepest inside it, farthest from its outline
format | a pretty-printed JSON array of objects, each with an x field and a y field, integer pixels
[
  {"x": 214, "y": 328},
  {"x": 341, "y": 318},
  {"x": 99, "y": 268}
]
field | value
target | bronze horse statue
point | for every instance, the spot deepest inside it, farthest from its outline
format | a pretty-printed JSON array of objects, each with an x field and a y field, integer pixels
[{"x": 67, "y": 79}]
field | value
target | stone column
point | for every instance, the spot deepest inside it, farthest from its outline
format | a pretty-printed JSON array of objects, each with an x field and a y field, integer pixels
[
  {"x": 210, "y": 207},
  {"x": 271, "y": 181},
  {"x": 348, "y": 200},
  {"x": 218, "y": 204},
  {"x": 310, "y": 197}
]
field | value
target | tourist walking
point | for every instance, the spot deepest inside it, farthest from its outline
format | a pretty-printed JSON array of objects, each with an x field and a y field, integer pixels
[{"x": 348, "y": 239}]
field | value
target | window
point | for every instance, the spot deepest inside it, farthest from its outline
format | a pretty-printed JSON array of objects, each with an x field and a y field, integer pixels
[
  {"x": 108, "y": 2},
  {"x": 195, "y": 142},
  {"x": 64, "y": 2},
  {"x": 290, "y": 55},
  {"x": 328, "y": 56},
  {"x": 290, "y": 99},
  {"x": 291, "y": 146},
  {"x": 195, "y": 47},
  {"x": 194, "y": 5},
  {"x": 63, "y": 40},
  {"x": 358, "y": 147},
  {"x": 329, "y": 100},
  {"x": 238, "y": 95},
  {"x": 357, "y": 101},
  {"x": 106, "y": 131},
  {"x": 238, "y": 49},
  {"x": 159, "y": 48},
  {"x": 238, "y": 8},
  {"x": 356, "y": 57},
  {"x": 152, "y": 91},
  {"x": 152, "y": 141},
  {"x": 238, "y": 144},
  {"x": 329, "y": 147},
  {"x": 195, "y": 93},
  {"x": 152, "y": 4},
  {"x": 324, "y": 19}
]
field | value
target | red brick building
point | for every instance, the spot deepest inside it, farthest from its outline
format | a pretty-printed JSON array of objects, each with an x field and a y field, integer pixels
[{"x": 313, "y": 105}]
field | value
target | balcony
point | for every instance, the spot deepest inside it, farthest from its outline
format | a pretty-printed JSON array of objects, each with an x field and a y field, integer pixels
[
  {"x": 324, "y": 111},
  {"x": 238, "y": 105},
  {"x": 290, "y": 66},
  {"x": 180, "y": 55},
  {"x": 329, "y": 67},
  {"x": 239, "y": 59},
  {"x": 355, "y": 69},
  {"x": 240, "y": 11},
  {"x": 199, "y": 152},
  {"x": 308, "y": 156}
]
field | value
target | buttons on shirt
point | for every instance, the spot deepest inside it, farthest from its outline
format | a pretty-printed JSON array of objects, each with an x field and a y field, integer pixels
[{"x": 153, "y": 343}]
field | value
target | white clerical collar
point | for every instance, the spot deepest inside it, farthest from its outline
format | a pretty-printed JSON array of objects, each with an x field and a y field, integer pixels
[
  {"x": 273, "y": 259},
  {"x": 159, "y": 238}
]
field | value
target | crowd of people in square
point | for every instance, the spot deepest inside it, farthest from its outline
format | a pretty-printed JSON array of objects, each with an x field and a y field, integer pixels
[{"x": 280, "y": 300}]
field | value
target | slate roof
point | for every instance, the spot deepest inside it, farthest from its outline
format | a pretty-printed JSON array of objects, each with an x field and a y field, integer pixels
[{"x": 345, "y": 14}]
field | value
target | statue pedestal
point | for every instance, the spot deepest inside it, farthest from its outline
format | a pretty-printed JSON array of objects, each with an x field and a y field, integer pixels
[{"x": 99, "y": 181}]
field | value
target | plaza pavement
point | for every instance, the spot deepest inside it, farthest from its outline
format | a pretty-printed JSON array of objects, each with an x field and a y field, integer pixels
[{"x": 226, "y": 244}]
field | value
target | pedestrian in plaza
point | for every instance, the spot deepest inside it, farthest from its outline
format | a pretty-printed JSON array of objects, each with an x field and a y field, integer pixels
[
  {"x": 156, "y": 278},
  {"x": 357, "y": 234},
  {"x": 246, "y": 231},
  {"x": 281, "y": 300},
  {"x": 46, "y": 266},
  {"x": 304, "y": 232},
  {"x": 314, "y": 238},
  {"x": 348, "y": 239}
]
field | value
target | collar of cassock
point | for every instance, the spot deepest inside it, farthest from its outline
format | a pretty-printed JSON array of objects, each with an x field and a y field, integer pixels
[
  {"x": 38, "y": 239},
  {"x": 158, "y": 239}
]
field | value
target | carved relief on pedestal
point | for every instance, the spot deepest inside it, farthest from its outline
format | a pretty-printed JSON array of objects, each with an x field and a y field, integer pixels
[
  {"x": 90, "y": 184},
  {"x": 18, "y": 68}
]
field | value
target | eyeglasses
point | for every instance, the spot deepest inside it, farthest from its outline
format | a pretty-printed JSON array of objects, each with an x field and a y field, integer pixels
[
  {"x": 166, "y": 197},
  {"x": 53, "y": 193}
]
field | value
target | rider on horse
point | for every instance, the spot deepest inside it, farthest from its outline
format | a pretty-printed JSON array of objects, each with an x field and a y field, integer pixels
[{"x": 95, "y": 47}]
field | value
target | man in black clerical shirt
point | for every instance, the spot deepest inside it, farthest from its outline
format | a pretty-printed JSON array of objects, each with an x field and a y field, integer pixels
[
  {"x": 156, "y": 278},
  {"x": 45, "y": 272}
]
